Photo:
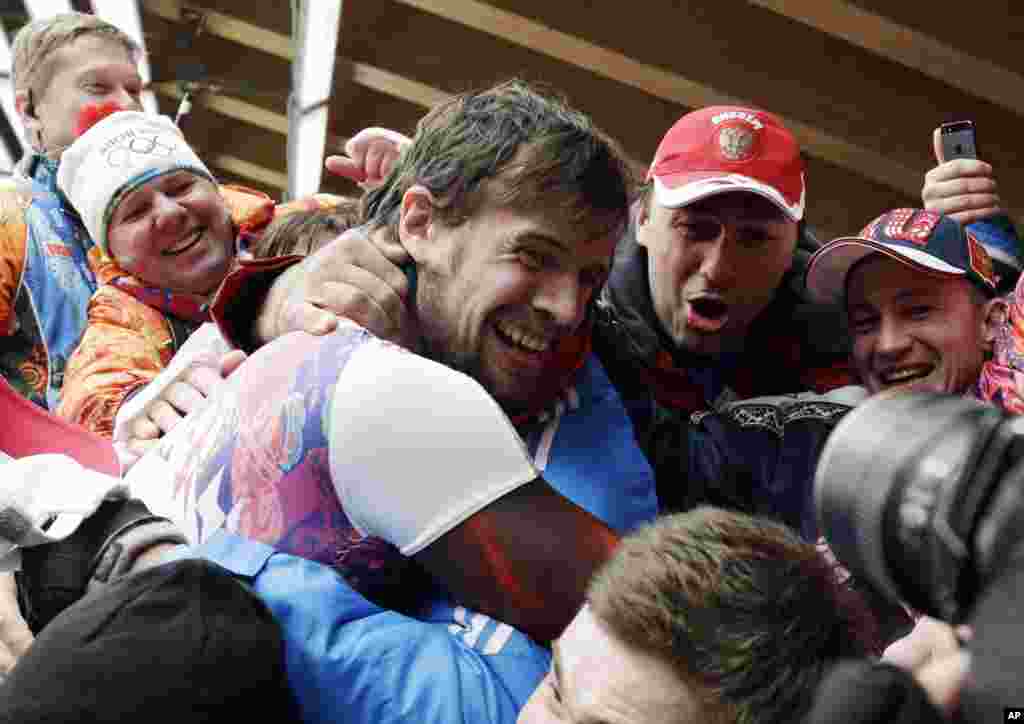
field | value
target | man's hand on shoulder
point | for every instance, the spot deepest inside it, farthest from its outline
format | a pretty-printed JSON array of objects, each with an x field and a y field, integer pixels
[{"x": 351, "y": 277}]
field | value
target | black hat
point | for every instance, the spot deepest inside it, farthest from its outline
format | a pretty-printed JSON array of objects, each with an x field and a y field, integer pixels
[{"x": 182, "y": 642}]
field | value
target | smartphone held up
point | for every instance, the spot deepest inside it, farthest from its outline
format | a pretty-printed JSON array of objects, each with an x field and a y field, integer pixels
[{"x": 958, "y": 140}]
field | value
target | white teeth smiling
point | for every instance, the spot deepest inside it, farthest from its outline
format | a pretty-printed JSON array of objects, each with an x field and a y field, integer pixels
[
  {"x": 905, "y": 374},
  {"x": 523, "y": 339}
]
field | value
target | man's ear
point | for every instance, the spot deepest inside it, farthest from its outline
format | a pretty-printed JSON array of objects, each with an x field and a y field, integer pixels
[
  {"x": 997, "y": 315},
  {"x": 414, "y": 225},
  {"x": 23, "y": 104},
  {"x": 642, "y": 209},
  {"x": 25, "y": 107},
  {"x": 642, "y": 214}
]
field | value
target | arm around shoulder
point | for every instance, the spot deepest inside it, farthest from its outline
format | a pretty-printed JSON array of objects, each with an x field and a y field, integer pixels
[
  {"x": 237, "y": 307},
  {"x": 454, "y": 487}
]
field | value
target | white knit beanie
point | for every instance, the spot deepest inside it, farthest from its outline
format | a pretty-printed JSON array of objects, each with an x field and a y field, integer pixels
[{"x": 117, "y": 155}]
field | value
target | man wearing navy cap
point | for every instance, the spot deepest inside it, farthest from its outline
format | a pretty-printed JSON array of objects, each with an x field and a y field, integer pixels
[{"x": 920, "y": 294}]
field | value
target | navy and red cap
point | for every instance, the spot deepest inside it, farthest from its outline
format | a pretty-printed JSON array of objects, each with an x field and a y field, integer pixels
[{"x": 924, "y": 240}]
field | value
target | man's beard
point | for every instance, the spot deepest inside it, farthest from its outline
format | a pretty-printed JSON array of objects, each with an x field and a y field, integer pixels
[
  {"x": 439, "y": 347},
  {"x": 472, "y": 365}
]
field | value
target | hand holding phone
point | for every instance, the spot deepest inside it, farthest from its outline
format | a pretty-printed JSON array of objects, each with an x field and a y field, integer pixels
[
  {"x": 958, "y": 140},
  {"x": 961, "y": 186}
]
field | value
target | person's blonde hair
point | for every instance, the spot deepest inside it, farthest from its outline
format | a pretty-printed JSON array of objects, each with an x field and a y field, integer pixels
[{"x": 35, "y": 44}]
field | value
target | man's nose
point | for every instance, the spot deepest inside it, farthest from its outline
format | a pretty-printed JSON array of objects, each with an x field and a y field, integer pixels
[
  {"x": 564, "y": 298},
  {"x": 892, "y": 340},
  {"x": 169, "y": 213},
  {"x": 719, "y": 263},
  {"x": 126, "y": 100}
]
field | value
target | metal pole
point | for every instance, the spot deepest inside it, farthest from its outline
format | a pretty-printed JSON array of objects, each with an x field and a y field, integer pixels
[{"x": 316, "y": 42}]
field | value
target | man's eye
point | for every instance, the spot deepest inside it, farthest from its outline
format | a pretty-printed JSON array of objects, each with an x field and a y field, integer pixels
[
  {"x": 752, "y": 237},
  {"x": 180, "y": 189},
  {"x": 529, "y": 259},
  {"x": 533, "y": 259},
  {"x": 920, "y": 311},
  {"x": 700, "y": 230},
  {"x": 133, "y": 214},
  {"x": 862, "y": 326}
]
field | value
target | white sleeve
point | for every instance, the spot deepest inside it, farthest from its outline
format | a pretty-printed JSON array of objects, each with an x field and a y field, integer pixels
[
  {"x": 416, "y": 448},
  {"x": 48, "y": 490}
]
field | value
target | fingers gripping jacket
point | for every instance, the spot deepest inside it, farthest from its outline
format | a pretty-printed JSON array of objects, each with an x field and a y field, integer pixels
[{"x": 103, "y": 548}]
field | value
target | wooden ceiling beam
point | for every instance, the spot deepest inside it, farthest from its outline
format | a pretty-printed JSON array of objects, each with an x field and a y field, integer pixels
[
  {"x": 225, "y": 26},
  {"x": 906, "y": 46},
  {"x": 229, "y": 106},
  {"x": 257, "y": 38},
  {"x": 246, "y": 113},
  {"x": 247, "y": 169},
  {"x": 663, "y": 84},
  {"x": 242, "y": 111},
  {"x": 397, "y": 86},
  {"x": 277, "y": 44}
]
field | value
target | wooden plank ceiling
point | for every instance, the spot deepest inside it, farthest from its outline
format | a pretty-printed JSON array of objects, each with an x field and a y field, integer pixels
[{"x": 862, "y": 83}]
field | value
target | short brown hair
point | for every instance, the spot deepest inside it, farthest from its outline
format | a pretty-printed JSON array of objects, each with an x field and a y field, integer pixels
[
  {"x": 516, "y": 144},
  {"x": 303, "y": 232},
  {"x": 35, "y": 44},
  {"x": 738, "y": 605}
]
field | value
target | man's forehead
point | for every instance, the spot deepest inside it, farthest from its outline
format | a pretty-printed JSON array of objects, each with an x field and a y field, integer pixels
[
  {"x": 583, "y": 637},
  {"x": 881, "y": 279},
  {"x": 92, "y": 53},
  {"x": 602, "y": 677},
  {"x": 161, "y": 182},
  {"x": 742, "y": 204}
]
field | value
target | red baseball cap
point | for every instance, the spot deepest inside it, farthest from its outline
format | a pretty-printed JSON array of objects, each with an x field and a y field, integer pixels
[
  {"x": 729, "y": 148},
  {"x": 28, "y": 429}
]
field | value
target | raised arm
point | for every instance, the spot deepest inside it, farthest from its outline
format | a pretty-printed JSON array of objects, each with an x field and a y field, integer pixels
[
  {"x": 966, "y": 189},
  {"x": 357, "y": 276}
]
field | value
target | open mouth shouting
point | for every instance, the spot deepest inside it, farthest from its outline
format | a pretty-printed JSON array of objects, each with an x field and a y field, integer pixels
[
  {"x": 185, "y": 244},
  {"x": 707, "y": 313}
]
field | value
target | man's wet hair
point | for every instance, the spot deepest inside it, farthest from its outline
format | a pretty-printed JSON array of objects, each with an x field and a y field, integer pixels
[{"x": 518, "y": 145}]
